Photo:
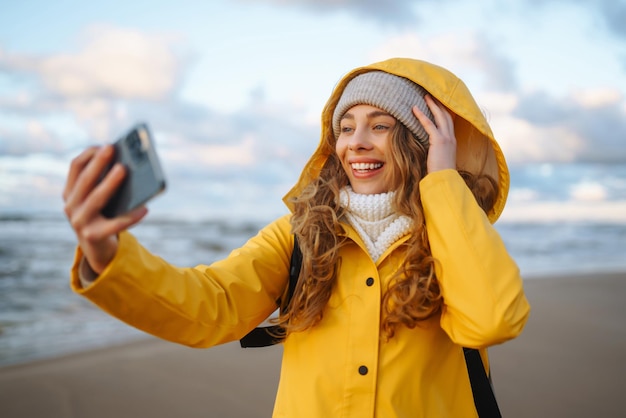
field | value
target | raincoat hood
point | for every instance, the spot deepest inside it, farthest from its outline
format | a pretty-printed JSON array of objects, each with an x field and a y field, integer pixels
[{"x": 477, "y": 150}]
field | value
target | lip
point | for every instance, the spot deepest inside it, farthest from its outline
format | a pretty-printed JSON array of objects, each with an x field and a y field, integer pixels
[
  {"x": 366, "y": 173},
  {"x": 364, "y": 160}
]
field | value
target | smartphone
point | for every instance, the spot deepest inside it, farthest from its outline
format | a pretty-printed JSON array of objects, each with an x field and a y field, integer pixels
[{"x": 144, "y": 175}]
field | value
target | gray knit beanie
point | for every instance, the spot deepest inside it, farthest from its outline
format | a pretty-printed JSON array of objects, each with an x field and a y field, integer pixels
[{"x": 396, "y": 95}]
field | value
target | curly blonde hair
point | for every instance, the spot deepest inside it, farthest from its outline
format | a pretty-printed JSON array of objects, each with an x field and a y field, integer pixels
[{"x": 413, "y": 294}]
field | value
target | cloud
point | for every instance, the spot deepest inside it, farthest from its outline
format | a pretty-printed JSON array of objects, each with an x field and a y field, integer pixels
[
  {"x": 613, "y": 12},
  {"x": 256, "y": 142},
  {"x": 112, "y": 62},
  {"x": 584, "y": 126},
  {"x": 469, "y": 55},
  {"x": 117, "y": 76},
  {"x": 589, "y": 191},
  {"x": 211, "y": 159},
  {"x": 208, "y": 154},
  {"x": 112, "y": 68},
  {"x": 405, "y": 12},
  {"x": 596, "y": 119},
  {"x": 32, "y": 137},
  {"x": 105, "y": 99},
  {"x": 33, "y": 182},
  {"x": 390, "y": 12}
]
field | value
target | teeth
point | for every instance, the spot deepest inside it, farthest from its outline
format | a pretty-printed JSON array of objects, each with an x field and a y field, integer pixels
[{"x": 366, "y": 166}]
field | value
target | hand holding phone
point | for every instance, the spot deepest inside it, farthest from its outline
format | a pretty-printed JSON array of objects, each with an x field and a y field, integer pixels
[{"x": 144, "y": 175}]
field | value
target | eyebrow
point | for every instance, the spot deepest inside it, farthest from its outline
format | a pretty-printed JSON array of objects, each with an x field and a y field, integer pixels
[{"x": 370, "y": 115}]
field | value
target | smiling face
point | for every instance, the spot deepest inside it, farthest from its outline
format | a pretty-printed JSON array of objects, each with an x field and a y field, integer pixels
[{"x": 363, "y": 147}]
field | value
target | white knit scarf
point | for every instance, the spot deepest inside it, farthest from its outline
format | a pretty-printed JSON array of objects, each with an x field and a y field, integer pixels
[{"x": 373, "y": 217}]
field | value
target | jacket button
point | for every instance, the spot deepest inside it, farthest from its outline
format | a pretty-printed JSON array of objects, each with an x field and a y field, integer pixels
[
  {"x": 369, "y": 281},
  {"x": 363, "y": 370}
]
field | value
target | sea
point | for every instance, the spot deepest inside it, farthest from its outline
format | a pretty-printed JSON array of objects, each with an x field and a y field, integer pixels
[{"x": 558, "y": 221}]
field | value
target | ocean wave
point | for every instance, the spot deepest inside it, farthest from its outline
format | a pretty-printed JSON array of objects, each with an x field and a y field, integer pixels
[{"x": 41, "y": 317}]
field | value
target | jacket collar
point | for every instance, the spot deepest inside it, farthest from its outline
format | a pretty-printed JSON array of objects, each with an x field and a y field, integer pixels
[{"x": 351, "y": 233}]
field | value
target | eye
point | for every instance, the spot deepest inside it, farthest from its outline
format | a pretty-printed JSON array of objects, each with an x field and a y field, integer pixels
[
  {"x": 346, "y": 129},
  {"x": 380, "y": 127}
]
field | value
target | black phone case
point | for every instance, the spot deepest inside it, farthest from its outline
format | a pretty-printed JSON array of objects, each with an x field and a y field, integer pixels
[{"x": 144, "y": 175}]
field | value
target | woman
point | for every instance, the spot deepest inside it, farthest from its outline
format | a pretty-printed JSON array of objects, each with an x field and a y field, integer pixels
[{"x": 401, "y": 265}]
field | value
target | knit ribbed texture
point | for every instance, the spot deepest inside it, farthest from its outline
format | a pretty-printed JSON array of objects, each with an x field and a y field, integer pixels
[
  {"x": 393, "y": 94},
  {"x": 374, "y": 219}
]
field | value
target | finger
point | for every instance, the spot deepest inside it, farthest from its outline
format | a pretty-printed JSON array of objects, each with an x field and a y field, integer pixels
[
  {"x": 104, "y": 190},
  {"x": 89, "y": 176},
  {"x": 424, "y": 120},
  {"x": 129, "y": 219},
  {"x": 76, "y": 167},
  {"x": 437, "y": 130},
  {"x": 104, "y": 228},
  {"x": 85, "y": 215},
  {"x": 443, "y": 118}
]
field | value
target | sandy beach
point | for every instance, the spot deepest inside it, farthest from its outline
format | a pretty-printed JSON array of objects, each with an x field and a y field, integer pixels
[{"x": 569, "y": 362}]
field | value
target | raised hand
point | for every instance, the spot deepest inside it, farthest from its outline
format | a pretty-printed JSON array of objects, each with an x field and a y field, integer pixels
[
  {"x": 85, "y": 196},
  {"x": 442, "y": 150}
]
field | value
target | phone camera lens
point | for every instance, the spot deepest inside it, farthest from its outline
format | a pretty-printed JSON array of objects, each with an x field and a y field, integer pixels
[{"x": 136, "y": 151}]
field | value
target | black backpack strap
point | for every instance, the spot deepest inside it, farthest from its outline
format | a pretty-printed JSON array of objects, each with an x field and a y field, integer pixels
[
  {"x": 294, "y": 269},
  {"x": 266, "y": 336},
  {"x": 484, "y": 398}
]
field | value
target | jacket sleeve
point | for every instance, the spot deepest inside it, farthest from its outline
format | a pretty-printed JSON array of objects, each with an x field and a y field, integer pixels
[
  {"x": 201, "y": 306},
  {"x": 484, "y": 300}
]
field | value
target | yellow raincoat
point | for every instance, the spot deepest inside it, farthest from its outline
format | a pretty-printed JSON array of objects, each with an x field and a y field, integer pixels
[{"x": 342, "y": 367}]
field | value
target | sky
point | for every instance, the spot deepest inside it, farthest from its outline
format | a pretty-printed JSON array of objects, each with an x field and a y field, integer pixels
[{"x": 233, "y": 90}]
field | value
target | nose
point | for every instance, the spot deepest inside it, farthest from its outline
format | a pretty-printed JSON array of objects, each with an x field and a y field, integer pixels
[{"x": 359, "y": 140}]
